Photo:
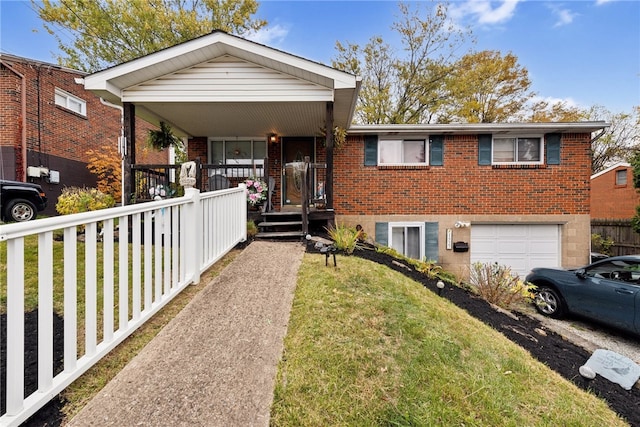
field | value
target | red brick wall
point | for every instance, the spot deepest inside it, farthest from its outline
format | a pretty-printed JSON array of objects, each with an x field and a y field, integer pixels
[
  {"x": 57, "y": 137},
  {"x": 611, "y": 201},
  {"x": 461, "y": 186}
]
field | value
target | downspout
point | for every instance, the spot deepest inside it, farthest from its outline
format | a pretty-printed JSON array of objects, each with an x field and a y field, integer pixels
[
  {"x": 23, "y": 89},
  {"x": 122, "y": 146}
]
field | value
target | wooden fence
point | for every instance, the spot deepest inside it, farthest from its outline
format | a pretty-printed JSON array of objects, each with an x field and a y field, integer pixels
[{"x": 626, "y": 240}]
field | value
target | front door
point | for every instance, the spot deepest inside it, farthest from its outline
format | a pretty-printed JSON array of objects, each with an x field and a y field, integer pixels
[{"x": 294, "y": 150}]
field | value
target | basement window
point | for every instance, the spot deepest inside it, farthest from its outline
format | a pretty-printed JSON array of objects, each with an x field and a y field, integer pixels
[{"x": 70, "y": 102}]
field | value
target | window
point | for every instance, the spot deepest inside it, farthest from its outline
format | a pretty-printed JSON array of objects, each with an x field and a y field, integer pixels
[
  {"x": 407, "y": 239},
  {"x": 517, "y": 150},
  {"x": 245, "y": 152},
  {"x": 402, "y": 152},
  {"x": 621, "y": 177},
  {"x": 70, "y": 102},
  {"x": 626, "y": 271}
]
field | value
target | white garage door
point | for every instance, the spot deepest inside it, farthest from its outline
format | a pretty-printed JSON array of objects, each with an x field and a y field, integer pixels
[{"x": 521, "y": 246}]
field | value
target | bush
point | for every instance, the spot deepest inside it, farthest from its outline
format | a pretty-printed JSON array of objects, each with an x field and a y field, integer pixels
[
  {"x": 252, "y": 229},
  {"x": 497, "y": 285},
  {"x": 75, "y": 200},
  {"x": 601, "y": 244},
  {"x": 345, "y": 238}
]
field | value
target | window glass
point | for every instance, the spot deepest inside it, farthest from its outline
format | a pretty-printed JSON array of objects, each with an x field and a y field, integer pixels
[
  {"x": 246, "y": 152},
  {"x": 517, "y": 150},
  {"x": 621, "y": 177},
  {"x": 407, "y": 239},
  {"x": 402, "y": 152},
  {"x": 503, "y": 150},
  {"x": 528, "y": 149},
  {"x": 70, "y": 102}
]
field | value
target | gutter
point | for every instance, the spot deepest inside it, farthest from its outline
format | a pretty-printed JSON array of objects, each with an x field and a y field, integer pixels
[{"x": 23, "y": 146}]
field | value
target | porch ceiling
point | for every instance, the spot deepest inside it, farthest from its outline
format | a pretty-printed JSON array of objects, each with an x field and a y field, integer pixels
[{"x": 239, "y": 119}]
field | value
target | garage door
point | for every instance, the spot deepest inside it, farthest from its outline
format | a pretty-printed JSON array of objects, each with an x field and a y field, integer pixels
[{"x": 521, "y": 246}]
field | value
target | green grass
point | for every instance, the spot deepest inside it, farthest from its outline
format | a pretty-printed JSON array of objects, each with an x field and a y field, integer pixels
[{"x": 366, "y": 346}]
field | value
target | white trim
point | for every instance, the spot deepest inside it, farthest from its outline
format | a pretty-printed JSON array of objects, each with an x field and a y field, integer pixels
[
  {"x": 405, "y": 224},
  {"x": 478, "y": 128},
  {"x": 610, "y": 168},
  {"x": 68, "y": 97},
  {"x": 541, "y": 145}
]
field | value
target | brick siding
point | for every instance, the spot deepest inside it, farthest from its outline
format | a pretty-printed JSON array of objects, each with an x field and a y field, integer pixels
[
  {"x": 611, "y": 201},
  {"x": 461, "y": 186}
]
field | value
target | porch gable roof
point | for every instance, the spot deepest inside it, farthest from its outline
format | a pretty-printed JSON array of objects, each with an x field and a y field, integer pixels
[{"x": 276, "y": 88}]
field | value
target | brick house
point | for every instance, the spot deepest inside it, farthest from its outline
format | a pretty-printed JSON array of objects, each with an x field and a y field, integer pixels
[
  {"x": 613, "y": 195},
  {"x": 48, "y": 122},
  {"x": 513, "y": 193}
]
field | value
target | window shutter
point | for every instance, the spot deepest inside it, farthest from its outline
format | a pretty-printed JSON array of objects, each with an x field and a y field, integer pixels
[
  {"x": 370, "y": 150},
  {"x": 436, "y": 148},
  {"x": 484, "y": 149},
  {"x": 431, "y": 241},
  {"x": 553, "y": 148},
  {"x": 382, "y": 233}
]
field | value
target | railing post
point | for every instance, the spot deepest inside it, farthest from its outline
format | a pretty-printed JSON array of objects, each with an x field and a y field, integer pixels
[
  {"x": 243, "y": 210},
  {"x": 193, "y": 213}
]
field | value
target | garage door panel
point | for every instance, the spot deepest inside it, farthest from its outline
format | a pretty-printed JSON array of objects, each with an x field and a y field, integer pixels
[{"x": 521, "y": 246}]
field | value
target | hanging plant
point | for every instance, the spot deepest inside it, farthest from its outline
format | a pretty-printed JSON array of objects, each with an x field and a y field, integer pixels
[
  {"x": 159, "y": 139},
  {"x": 339, "y": 136}
]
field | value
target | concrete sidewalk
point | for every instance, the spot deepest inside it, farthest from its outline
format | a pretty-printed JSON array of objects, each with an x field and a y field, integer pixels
[{"x": 215, "y": 363}]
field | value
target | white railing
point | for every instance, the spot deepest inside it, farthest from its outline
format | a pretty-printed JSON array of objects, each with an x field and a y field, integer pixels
[{"x": 135, "y": 259}]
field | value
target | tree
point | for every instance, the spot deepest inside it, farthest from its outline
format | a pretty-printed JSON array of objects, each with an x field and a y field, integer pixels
[
  {"x": 560, "y": 111},
  {"x": 105, "y": 164},
  {"x": 108, "y": 32},
  {"x": 486, "y": 87},
  {"x": 618, "y": 142},
  {"x": 407, "y": 89}
]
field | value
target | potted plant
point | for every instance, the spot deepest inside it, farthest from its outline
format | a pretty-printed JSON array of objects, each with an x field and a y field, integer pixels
[
  {"x": 256, "y": 191},
  {"x": 159, "y": 139}
]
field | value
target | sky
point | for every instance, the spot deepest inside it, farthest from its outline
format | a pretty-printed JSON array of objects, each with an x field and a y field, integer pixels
[{"x": 584, "y": 52}]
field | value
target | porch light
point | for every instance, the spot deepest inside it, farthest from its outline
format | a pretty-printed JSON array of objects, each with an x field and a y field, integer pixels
[{"x": 273, "y": 137}]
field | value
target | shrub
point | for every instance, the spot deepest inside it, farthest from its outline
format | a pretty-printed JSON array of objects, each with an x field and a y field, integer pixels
[
  {"x": 252, "y": 229},
  {"x": 498, "y": 285},
  {"x": 105, "y": 164},
  {"x": 345, "y": 238},
  {"x": 601, "y": 244},
  {"x": 75, "y": 200}
]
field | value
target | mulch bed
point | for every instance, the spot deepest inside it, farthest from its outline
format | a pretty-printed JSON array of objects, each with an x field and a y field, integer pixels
[{"x": 550, "y": 348}]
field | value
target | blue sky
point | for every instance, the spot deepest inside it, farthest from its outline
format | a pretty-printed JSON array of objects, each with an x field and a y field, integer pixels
[{"x": 586, "y": 52}]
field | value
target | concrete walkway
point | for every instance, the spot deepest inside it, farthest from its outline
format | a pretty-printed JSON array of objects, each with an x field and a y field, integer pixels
[{"x": 215, "y": 363}]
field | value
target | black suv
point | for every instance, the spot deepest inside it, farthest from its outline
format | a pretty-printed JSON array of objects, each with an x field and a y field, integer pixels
[{"x": 21, "y": 201}]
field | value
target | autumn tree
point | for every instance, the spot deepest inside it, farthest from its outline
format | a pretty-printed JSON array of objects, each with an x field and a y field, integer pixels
[
  {"x": 105, "y": 164},
  {"x": 558, "y": 111},
  {"x": 109, "y": 32},
  {"x": 486, "y": 87},
  {"x": 406, "y": 86},
  {"x": 635, "y": 164}
]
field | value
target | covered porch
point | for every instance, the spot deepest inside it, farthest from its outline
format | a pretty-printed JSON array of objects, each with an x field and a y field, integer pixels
[{"x": 243, "y": 109}]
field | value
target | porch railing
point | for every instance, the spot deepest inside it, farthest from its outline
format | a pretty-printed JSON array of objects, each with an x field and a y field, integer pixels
[
  {"x": 161, "y": 180},
  {"x": 134, "y": 260}
]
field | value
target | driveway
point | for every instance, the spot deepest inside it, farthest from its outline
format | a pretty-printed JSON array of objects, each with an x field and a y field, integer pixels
[{"x": 592, "y": 336}]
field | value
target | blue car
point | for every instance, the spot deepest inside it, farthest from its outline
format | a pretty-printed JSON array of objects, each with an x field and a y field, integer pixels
[{"x": 607, "y": 291}]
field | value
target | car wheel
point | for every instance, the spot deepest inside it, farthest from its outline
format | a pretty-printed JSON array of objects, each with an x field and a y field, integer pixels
[
  {"x": 20, "y": 210},
  {"x": 549, "y": 302}
]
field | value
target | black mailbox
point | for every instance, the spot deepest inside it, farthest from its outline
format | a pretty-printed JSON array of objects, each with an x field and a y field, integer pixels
[{"x": 460, "y": 247}]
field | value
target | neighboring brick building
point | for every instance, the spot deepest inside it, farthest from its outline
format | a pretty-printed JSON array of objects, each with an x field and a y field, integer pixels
[
  {"x": 48, "y": 122},
  {"x": 613, "y": 195}
]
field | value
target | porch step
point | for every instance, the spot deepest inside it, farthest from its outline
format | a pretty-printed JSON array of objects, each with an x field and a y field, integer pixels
[
  {"x": 280, "y": 225},
  {"x": 279, "y": 234}
]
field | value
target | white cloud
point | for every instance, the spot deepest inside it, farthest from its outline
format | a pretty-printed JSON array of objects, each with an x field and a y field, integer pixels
[
  {"x": 486, "y": 11},
  {"x": 563, "y": 15},
  {"x": 270, "y": 36},
  {"x": 601, "y": 2}
]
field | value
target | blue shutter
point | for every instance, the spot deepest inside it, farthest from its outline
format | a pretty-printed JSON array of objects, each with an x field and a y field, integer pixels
[
  {"x": 431, "y": 241},
  {"x": 436, "y": 148},
  {"x": 553, "y": 148},
  {"x": 484, "y": 149},
  {"x": 382, "y": 233},
  {"x": 370, "y": 150}
]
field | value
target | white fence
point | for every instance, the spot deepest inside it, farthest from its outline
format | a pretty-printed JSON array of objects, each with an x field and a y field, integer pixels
[{"x": 113, "y": 270}]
